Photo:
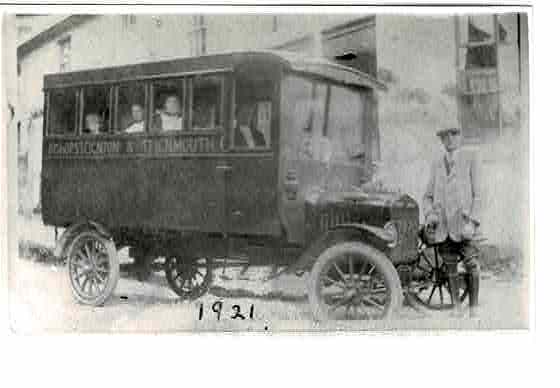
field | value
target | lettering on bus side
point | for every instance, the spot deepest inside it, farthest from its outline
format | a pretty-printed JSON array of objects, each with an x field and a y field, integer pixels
[{"x": 165, "y": 145}]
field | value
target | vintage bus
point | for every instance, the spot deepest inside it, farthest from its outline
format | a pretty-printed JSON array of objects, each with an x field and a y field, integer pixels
[{"x": 246, "y": 158}]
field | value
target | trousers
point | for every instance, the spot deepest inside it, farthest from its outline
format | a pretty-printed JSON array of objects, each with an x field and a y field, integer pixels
[{"x": 452, "y": 252}]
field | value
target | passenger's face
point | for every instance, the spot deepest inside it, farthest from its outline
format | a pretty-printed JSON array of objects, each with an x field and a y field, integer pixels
[
  {"x": 137, "y": 113},
  {"x": 451, "y": 140},
  {"x": 93, "y": 123},
  {"x": 172, "y": 105}
]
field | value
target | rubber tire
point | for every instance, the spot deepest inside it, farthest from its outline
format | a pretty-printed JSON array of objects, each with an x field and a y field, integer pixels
[
  {"x": 381, "y": 261},
  {"x": 197, "y": 293},
  {"x": 114, "y": 270}
]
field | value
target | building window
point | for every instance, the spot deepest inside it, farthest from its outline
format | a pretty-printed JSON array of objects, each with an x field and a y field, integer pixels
[
  {"x": 198, "y": 40},
  {"x": 129, "y": 20},
  {"x": 479, "y": 39},
  {"x": 65, "y": 53},
  {"x": 158, "y": 21},
  {"x": 274, "y": 23}
]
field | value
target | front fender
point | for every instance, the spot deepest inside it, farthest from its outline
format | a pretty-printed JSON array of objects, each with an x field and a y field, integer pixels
[
  {"x": 371, "y": 235},
  {"x": 64, "y": 241}
]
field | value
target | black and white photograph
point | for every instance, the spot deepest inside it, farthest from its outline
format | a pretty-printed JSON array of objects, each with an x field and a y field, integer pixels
[{"x": 264, "y": 171}]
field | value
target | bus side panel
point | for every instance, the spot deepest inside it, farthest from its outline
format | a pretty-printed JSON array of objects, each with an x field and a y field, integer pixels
[
  {"x": 183, "y": 194},
  {"x": 252, "y": 204},
  {"x": 167, "y": 193},
  {"x": 106, "y": 191}
]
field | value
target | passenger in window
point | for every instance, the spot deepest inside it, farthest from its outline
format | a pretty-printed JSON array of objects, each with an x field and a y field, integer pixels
[
  {"x": 169, "y": 119},
  {"x": 93, "y": 124},
  {"x": 246, "y": 133},
  {"x": 137, "y": 125}
]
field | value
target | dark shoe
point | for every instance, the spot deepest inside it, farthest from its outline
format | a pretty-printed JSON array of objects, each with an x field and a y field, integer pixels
[{"x": 454, "y": 289}]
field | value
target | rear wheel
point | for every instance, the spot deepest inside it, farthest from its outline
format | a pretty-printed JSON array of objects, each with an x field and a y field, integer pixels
[
  {"x": 93, "y": 267},
  {"x": 354, "y": 281},
  {"x": 189, "y": 278}
]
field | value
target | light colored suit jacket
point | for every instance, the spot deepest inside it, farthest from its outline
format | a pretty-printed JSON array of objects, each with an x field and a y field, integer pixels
[{"x": 454, "y": 197}]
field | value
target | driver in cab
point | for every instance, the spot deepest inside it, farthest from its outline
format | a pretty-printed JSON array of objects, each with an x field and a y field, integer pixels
[{"x": 246, "y": 133}]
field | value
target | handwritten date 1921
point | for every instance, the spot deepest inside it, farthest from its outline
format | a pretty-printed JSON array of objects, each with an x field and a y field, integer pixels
[{"x": 218, "y": 308}]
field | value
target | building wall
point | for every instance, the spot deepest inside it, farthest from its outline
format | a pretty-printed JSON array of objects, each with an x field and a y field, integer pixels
[
  {"x": 110, "y": 40},
  {"x": 419, "y": 52}
]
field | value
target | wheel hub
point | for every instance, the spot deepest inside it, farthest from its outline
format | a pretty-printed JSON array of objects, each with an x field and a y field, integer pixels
[{"x": 352, "y": 293}]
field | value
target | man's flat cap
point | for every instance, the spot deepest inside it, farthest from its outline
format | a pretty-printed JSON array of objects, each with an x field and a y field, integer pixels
[{"x": 444, "y": 131}]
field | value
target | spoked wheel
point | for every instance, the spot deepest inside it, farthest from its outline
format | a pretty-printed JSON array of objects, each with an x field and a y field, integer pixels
[
  {"x": 93, "y": 268},
  {"x": 429, "y": 289},
  {"x": 354, "y": 281},
  {"x": 188, "y": 278}
]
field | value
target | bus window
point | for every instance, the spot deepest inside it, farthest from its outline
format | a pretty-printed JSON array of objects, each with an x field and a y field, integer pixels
[
  {"x": 168, "y": 105},
  {"x": 62, "y": 112},
  {"x": 207, "y": 102},
  {"x": 96, "y": 110},
  {"x": 346, "y": 124},
  {"x": 131, "y": 108},
  {"x": 253, "y": 114},
  {"x": 304, "y": 117}
]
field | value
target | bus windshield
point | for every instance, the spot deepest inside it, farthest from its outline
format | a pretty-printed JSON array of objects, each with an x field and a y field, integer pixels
[{"x": 325, "y": 121}]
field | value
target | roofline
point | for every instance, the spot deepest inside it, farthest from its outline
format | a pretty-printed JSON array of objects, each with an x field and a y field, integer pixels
[
  {"x": 51, "y": 33},
  {"x": 351, "y": 25},
  {"x": 294, "y": 61},
  {"x": 353, "y": 70}
]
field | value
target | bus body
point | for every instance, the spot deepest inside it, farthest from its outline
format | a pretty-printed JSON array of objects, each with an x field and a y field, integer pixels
[{"x": 252, "y": 155}]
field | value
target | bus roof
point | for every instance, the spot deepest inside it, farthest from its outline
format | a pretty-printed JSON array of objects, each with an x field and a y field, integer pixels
[{"x": 213, "y": 63}]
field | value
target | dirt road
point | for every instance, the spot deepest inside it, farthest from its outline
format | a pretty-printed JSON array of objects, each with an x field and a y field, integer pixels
[{"x": 41, "y": 300}]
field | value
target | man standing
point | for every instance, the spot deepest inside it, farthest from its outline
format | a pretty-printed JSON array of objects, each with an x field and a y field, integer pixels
[{"x": 452, "y": 208}]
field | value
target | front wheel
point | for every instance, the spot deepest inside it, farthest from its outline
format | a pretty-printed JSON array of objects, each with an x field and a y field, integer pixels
[
  {"x": 93, "y": 267},
  {"x": 353, "y": 280}
]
